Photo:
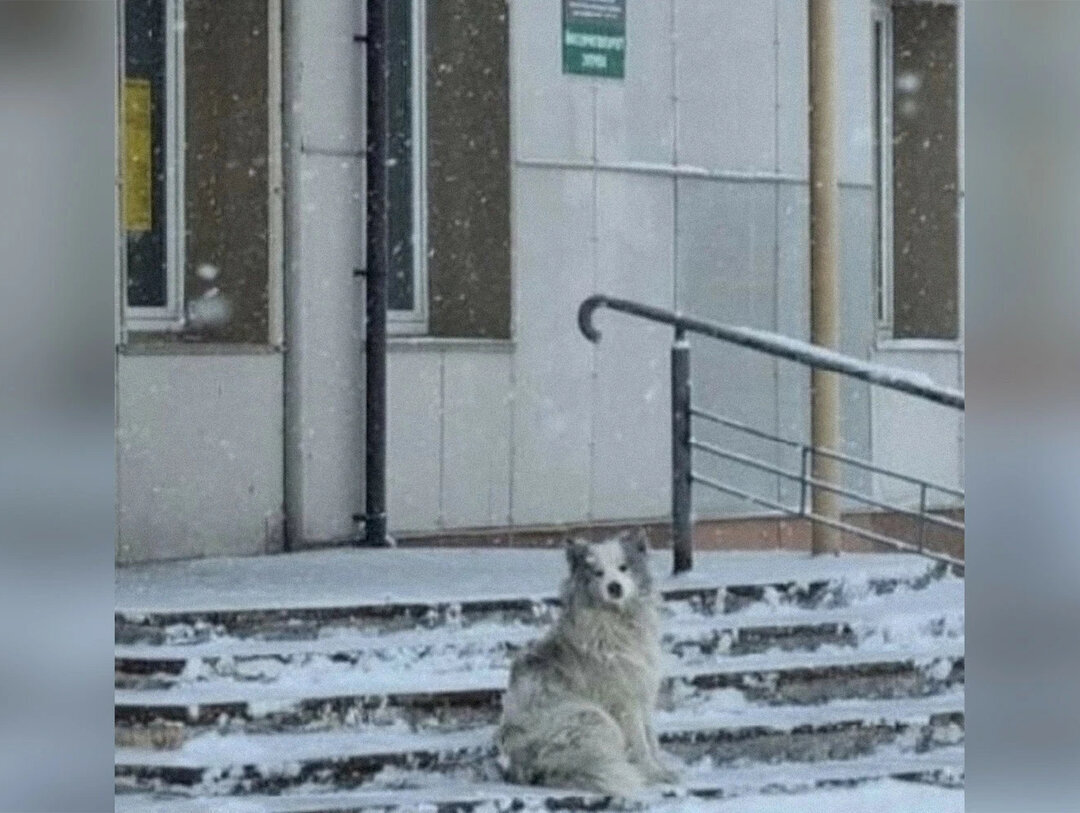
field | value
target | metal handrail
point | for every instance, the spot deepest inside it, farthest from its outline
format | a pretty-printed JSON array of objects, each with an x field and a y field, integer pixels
[
  {"x": 739, "y": 426},
  {"x": 776, "y": 345},
  {"x": 839, "y": 525},
  {"x": 761, "y": 465}
]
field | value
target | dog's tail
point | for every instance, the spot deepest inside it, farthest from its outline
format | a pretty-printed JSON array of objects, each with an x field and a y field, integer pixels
[{"x": 573, "y": 745}]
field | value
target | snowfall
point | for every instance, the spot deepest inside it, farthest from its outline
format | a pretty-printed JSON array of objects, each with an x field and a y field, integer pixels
[{"x": 331, "y": 578}]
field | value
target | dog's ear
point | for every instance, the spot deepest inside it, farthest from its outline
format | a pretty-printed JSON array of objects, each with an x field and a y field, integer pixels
[
  {"x": 639, "y": 541},
  {"x": 575, "y": 553}
]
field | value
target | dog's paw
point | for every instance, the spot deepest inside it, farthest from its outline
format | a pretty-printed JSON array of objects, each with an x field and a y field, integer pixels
[{"x": 660, "y": 774}]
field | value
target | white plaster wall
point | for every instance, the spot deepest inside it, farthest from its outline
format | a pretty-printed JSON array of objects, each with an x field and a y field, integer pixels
[
  {"x": 549, "y": 429},
  {"x": 325, "y": 170},
  {"x": 915, "y": 437},
  {"x": 199, "y": 455}
]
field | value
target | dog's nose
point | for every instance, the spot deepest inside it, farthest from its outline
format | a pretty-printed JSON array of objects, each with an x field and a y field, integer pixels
[{"x": 614, "y": 590}]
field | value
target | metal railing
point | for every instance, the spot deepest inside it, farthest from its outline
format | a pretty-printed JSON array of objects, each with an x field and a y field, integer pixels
[{"x": 683, "y": 411}]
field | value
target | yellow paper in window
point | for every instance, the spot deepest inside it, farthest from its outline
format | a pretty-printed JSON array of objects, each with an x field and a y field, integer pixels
[{"x": 137, "y": 163}]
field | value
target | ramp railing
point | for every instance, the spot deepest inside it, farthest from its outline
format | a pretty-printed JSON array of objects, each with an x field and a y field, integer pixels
[{"x": 683, "y": 442}]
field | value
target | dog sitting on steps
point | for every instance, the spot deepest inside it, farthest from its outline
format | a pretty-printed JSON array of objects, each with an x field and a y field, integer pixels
[{"x": 577, "y": 713}]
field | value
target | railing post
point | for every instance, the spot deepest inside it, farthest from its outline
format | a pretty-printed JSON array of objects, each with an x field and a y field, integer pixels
[
  {"x": 681, "y": 528},
  {"x": 922, "y": 516},
  {"x": 804, "y": 455}
]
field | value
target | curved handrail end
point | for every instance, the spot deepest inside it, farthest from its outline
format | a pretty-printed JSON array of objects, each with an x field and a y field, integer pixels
[{"x": 585, "y": 316}]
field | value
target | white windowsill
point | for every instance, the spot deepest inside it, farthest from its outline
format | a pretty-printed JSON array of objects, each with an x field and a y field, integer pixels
[
  {"x": 438, "y": 343},
  {"x": 889, "y": 345}
]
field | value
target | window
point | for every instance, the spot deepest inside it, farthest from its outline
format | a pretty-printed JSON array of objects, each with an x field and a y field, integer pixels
[
  {"x": 449, "y": 153},
  {"x": 917, "y": 166},
  {"x": 195, "y": 155},
  {"x": 406, "y": 275},
  {"x": 151, "y": 205}
]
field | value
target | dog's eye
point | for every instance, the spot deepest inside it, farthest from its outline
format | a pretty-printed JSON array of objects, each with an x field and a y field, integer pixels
[
  {"x": 598, "y": 573},
  {"x": 623, "y": 568}
]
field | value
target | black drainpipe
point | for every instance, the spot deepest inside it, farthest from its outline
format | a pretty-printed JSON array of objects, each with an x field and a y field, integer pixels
[{"x": 378, "y": 253}]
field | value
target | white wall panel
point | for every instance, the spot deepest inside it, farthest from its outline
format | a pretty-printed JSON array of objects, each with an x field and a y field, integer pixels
[
  {"x": 476, "y": 438},
  {"x": 636, "y": 115},
  {"x": 553, "y": 114},
  {"x": 199, "y": 455},
  {"x": 793, "y": 125},
  {"x": 632, "y": 394},
  {"x": 793, "y": 319},
  {"x": 856, "y": 323},
  {"x": 330, "y": 70},
  {"x": 854, "y": 89},
  {"x": 726, "y": 74},
  {"x": 413, "y": 440},
  {"x": 554, "y": 270},
  {"x": 855, "y": 48},
  {"x": 726, "y": 272},
  {"x": 913, "y": 436},
  {"x": 326, "y": 339}
]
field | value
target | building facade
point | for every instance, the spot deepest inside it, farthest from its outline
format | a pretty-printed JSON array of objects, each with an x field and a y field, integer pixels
[{"x": 675, "y": 175}]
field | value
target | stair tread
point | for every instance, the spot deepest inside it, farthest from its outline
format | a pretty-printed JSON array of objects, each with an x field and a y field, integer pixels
[
  {"x": 725, "y": 781},
  {"x": 303, "y": 684},
  {"x": 342, "y": 578},
  {"x": 943, "y": 598},
  {"x": 217, "y": 750}
]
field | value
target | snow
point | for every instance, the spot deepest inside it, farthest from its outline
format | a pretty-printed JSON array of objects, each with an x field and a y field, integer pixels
[
  {"x": 920, "y": 624},
  {"x": 355, "y": 577},
  {"x": 889, "y": 794},
  {"x": 214, "y": 750},
  {"x": 739, "y": 788},
  {"x": 328, "y": 678},
  {"x": 899, "y": 618}
]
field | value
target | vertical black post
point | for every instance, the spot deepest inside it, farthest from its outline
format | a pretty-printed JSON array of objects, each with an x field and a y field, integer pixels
[
  {"x": 804, "y": 454},
  {"x": 378, "y": 255},
  {"x": 922, "y": 516},
  {"x": 682, "y": 531}
]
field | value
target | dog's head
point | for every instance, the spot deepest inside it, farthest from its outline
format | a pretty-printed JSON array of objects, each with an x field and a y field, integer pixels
[{"x": 613, "y": 573}]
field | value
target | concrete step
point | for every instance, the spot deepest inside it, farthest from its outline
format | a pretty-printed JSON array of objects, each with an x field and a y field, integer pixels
[
  {"x": 937, "y": 609},
  {"x": 419, "y": 698},
  {"x": 245, "y": 763},
  {"x": 415, "y": 791},
  {"x": 300, "y": 596}
]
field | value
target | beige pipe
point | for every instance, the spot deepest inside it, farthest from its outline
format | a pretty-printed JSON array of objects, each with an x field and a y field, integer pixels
[{"x": 824, "y": 256}]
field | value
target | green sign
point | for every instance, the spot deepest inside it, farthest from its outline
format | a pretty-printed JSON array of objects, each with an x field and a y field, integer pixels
[{"x": 594, "y": 37}]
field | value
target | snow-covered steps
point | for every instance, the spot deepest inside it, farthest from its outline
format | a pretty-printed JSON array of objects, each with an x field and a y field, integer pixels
[
  {"x": 421, "y": 698},
  {"x": 413, "y": 790},
  {"x": 301, "y": 596},
  {"x": 320, "y": 674},
  {"x": 238, "y": 763},
  {"x": 937, "y": 608}
]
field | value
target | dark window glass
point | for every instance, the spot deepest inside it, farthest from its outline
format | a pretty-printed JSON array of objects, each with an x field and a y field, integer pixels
[
  {"x": 144, "y": 201},
  {"x": 400, "y": 280},
  {"x": 925, "y": 172},
  {"x": 468, "y": 164},
  {"x": 879, "y": 225}
]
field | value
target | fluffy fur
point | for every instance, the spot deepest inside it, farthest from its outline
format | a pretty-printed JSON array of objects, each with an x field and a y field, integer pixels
[{"x": 577, "y": 713}]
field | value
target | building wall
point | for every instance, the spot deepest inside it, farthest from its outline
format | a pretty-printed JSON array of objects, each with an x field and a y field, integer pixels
[
  {"x": 685, "y": 185},
  {"x": 199, "y": 421},
  {"x": 324, "y": 147},
  {"x": 199, "y": 462}
]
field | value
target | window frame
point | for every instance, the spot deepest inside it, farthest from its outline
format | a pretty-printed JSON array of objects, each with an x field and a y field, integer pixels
[
  {"x": 415, "y": 322},
  {"x": 881, "y": 20},
  {"x": 169, "y": 317}
]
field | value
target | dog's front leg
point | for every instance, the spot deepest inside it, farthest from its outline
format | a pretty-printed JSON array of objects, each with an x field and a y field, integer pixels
[
  {"x": 642, "y": 748},
  {"x": 660, "y": 770}
]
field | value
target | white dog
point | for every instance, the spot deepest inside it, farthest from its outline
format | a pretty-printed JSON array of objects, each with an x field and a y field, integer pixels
[{"x": 578, "y": 710}]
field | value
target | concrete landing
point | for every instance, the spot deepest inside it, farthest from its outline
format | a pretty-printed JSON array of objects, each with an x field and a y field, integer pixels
[{"x": 358, "y": 577}]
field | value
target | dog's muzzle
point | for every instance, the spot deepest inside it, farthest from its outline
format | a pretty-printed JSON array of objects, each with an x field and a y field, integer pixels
[{"x": 615, "y": 590}]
